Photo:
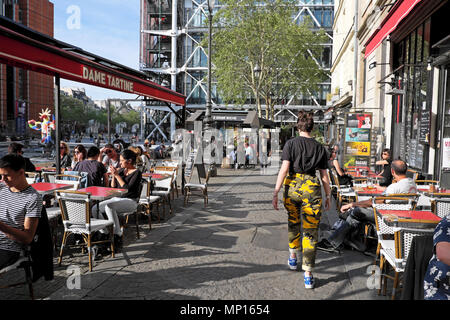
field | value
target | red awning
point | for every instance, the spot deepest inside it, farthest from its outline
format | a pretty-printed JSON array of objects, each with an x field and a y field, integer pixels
[
  {"x": 43, "y": 55},
  {"x": 396, "y": 15}
]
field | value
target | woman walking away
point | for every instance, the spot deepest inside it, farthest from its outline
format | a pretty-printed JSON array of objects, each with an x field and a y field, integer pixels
[{"x": 302, "y": 197}]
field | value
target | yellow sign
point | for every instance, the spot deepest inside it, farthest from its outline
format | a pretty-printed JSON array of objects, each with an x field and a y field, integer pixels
[{"x": 358, "y": 148}]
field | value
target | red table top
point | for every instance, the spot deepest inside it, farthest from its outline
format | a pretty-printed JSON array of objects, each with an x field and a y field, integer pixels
[
  {"x": 47, "y": 186},
  {"x": 366, "y": 190},
  {"x": 45, "y": 169},
  {"x": 360, "y": 175},
  {"x": 155, "y": 176},
  {"x": 413, "y": 215},
  {"x": 102, "y": 192}
]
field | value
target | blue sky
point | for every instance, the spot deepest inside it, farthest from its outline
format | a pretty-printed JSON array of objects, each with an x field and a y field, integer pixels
[{"x": 108, "y": 28}]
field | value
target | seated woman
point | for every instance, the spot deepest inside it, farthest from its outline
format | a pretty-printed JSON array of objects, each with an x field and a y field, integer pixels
[
  {"x": 127, "y": 177},
  {"x": 333, "y": 163},
  {"x": 386, "y": 171}
]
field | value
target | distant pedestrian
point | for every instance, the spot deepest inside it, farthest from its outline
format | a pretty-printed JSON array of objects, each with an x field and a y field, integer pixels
[
  {"x": 302, "y": 156},
  {"x": 17, "y": 148}
]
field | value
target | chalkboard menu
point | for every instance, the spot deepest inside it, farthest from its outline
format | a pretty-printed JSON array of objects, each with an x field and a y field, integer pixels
[
  {"x": 424, "y": 127},
  {"x": 190, "y": 164}
]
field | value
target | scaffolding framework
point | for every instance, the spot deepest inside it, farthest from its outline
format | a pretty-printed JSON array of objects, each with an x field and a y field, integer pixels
[{"x": 171, "y": 33}]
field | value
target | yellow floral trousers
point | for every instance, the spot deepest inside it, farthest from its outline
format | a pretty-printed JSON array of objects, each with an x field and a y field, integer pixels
[{"x": 303, "y": 201}]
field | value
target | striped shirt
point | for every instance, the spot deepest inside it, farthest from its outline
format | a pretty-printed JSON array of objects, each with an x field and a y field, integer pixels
[{"x": 14, "y": 208}]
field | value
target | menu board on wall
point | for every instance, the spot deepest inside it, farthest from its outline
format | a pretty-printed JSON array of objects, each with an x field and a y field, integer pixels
[{"x": 357, "y": 139}]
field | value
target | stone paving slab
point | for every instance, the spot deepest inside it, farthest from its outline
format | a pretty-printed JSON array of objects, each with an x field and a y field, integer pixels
[{"x": 235, "y": 249}]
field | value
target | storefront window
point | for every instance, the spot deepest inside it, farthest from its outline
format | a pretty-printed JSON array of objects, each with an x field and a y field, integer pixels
[{"x": 411, "y": 111}]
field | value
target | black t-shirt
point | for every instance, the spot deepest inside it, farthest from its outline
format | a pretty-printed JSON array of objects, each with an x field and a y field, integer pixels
[
  {"x": 95, "y": 170},
  {"x": 386, "y": 174},
  {"x": 132, "y": 183},
  {"x": 306, "y": 155}
]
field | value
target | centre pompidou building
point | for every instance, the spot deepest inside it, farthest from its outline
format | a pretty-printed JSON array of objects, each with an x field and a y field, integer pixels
[{"x": 171, "y": 35}]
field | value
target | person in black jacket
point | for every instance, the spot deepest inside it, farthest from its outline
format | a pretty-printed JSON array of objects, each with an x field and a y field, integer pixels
[{"x": 17, "y": 148}]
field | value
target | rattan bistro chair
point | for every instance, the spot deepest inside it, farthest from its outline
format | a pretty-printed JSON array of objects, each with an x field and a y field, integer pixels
[
  {"x": 24, "y": 262},
  {"x": 146, "y": 203},
  {"x": 441, "y": 207},
  {"x": 163, "y": 188},
  {"x": 136, "y": 213},
  {"x": 343, "y": 192},
  {"x": 397, "y": 256},
  {"x": 170, "y": 170},
  {"x": 76, "y": 215},
  {"x": 385, "y": 232},
  {"x": 203, "y": 187}
]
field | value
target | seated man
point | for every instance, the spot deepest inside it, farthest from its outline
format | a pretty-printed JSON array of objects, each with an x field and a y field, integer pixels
[
  {"x": 97, "y": 174},
  {"x": 363, "y": 211},
  {"x": 18, "y": 222}
]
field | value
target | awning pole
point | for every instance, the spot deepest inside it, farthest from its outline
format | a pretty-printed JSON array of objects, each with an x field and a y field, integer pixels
[
  {"x": 57, "y": 118},
  {"x": 108, "y": 105}
]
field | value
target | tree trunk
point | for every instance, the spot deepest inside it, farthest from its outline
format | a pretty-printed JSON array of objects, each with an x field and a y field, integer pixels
[
  {"x": 258, "y": 105},
  {"x": 268, "y": 103}
]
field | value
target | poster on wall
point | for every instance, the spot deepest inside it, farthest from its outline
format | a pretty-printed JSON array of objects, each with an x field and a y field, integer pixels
[
  {"x": 357, "y": 148},
  {"x": 351, "y": 161},
  {"x": 357, "y": 135},
  {"x": 359, "y": 120},
  {"x": 446, "y": 153},
  {"x": 357, "y": 139}
]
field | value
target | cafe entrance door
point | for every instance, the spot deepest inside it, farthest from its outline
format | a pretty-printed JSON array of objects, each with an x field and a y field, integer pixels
[{"x": 443, "y": 160}]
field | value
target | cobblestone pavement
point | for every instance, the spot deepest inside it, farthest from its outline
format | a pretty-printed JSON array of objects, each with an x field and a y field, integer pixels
[{"x": 235, "y": 248}]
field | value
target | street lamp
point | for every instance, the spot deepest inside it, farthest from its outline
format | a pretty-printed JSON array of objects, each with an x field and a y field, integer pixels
[
  {"x": 257, "y": 73},
  {"x": 208, "y": 119}
]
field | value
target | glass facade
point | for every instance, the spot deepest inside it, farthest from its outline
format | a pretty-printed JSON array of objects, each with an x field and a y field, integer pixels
[{"x": 192, "y": 60}]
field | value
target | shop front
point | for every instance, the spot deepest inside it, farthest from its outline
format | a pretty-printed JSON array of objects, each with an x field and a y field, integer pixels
[{"x": 419, "y": 45}]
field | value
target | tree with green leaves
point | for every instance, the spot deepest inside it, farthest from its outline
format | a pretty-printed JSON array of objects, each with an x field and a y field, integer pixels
[{"x": 248, "y": 33}]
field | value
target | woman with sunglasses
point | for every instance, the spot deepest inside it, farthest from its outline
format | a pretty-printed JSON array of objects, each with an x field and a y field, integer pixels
[
  {"x": 127, "y": 177},
  {"x": 64, "y": 156},
  {"x": 79, "y": 154}
]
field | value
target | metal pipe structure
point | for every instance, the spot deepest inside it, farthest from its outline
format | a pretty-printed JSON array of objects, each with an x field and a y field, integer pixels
[
  {"x": 208, "y": 119},
  {"x": 355, "y": 71}
]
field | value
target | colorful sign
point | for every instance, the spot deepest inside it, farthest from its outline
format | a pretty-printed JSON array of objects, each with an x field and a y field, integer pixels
[
  {"x": 357, "y": 135},
  {"x": 357, "y": 139},
  {"x": 355, "y": 161},
  {"x": 359, "y": 120},
  {"x": 357, "y": 148},
  {"x": 44, "y": 125}
]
